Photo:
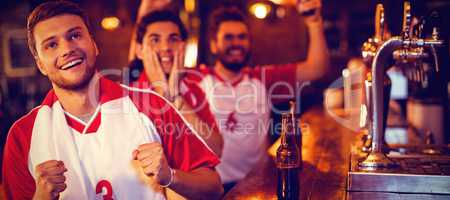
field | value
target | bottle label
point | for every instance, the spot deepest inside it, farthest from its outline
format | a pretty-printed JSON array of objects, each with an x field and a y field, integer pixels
[{"x": 291, "y": 165}]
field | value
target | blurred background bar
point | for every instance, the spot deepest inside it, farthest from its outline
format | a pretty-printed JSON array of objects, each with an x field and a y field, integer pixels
[{"x": 277, "y": 32}]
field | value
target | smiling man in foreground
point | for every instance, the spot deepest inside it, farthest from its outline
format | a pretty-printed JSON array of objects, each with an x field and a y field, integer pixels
[{"x": 93, "y": 139}]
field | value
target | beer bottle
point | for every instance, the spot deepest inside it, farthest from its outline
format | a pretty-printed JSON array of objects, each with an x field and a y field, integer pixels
[{"x": 288, "y": 160}]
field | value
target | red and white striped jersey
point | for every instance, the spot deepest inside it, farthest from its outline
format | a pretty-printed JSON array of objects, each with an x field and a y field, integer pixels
[
  {"x": 98, "y": 154},
  {"x": 192, "y": 94},
  {"x": 242, "y": 110}
]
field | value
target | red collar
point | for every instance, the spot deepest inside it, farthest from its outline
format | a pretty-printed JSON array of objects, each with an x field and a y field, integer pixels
[
  {"x": 108, "y": 91},
  {"x": 79, "y": 127}
]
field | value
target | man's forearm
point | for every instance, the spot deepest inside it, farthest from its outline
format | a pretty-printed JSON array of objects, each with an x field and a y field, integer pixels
[
  {"x": 318, "y": 54},
  {"x": 209, "y": 134},
  {"x": 317, "y": 60},
  {"x": 214, "y": 141},
  {"x": 201, "y": 183}
]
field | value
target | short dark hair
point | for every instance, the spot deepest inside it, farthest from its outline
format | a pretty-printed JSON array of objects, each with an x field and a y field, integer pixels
[
  {"x": 159, "y": 16},
  {"x": 224, "y": 14},
  {"x": 48, "y": 10}
]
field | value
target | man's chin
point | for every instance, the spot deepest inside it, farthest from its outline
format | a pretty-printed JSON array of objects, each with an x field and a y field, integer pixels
[
  {"x": 235, "y": 67},
  {"x": 166, "y": 69},
  {"x": 234, "y": 64},
  {"x": 75, "y": 84}
]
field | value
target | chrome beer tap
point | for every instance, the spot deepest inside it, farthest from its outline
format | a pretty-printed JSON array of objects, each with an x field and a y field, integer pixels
[
  {"x": 406, "y": 47},
  {"x": 369, "y": 49}
]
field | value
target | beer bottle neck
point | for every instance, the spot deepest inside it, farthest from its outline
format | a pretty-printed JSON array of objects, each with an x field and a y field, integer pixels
[{"x": 287, "y": 130}]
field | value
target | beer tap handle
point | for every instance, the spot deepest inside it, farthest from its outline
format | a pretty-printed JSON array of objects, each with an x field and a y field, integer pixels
[
  {"x": 406, "y": 20},
  {"x": 369, "y": 47},
  {"x": 379, "y": 22},
  {"x": 418, "y": 28}
]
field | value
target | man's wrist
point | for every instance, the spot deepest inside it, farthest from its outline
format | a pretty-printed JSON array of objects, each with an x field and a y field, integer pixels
[
  {"x": 171, "y": 178},
  {"x": 314, "y": 27}
]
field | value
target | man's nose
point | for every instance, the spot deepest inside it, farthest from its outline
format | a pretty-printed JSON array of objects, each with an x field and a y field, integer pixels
[
  {"x": 237, "y": 41},
  {"x": 67, "y": 48},
  {"x": 165, "y": 46}
]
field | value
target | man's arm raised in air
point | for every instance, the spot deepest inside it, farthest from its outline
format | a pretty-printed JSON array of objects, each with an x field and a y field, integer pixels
[{"x": 317, "y": 60}]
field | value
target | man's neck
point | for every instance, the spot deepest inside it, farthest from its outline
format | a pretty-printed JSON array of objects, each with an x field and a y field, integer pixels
[
  {"x": 79, "y": 102},
  {"x": 224, "y": 73}
]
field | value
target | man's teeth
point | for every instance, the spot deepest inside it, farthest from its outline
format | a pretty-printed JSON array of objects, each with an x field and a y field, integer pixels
[
  {"x": 72, "y": 63},
  {"x": 165, "y": 59}
]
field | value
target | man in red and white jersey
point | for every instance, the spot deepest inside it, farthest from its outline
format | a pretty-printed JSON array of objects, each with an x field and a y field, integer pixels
[
  {"x": 92, "y": 138},
  {"x": 160, "y": 47},
  {"x": 241, "y": 97}
]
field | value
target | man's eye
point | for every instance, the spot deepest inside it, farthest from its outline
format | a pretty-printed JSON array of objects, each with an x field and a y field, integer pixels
[
  {"x": 174, "y": 39},
  {"x": 228, "y": 37},
  {"x": 242, "y": 36},
  {"x": 51, "y": 45},
  {"x": 154, "y": 40},
  {"x": 75, "y": 36}
]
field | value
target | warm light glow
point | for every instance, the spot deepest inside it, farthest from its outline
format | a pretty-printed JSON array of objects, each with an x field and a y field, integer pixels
[
  {"x": 363, "y": 115},
  {"x": 284, "y": 2},
  {"x": 190, "y": 59},
  {"x": 260, "y": 10},
  {"x": 189, "y": 5},
  {"x": 346, "y": 73},
  {"x": 281, "y": 12},
  {"x": 110, "y": 23}
]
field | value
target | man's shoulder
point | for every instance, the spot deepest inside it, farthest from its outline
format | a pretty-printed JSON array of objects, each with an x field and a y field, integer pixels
[
  {"x": 196, "y": 75},
  {"x": 135, "y": 93},
  {"x": 271, "y": 71},
  {"x": 131, "y": 90},
  {"x": 147, "y": 101},
  {"x": 23, "y": 127}
]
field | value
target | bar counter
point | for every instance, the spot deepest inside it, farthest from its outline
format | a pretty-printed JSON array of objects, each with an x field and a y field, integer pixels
[
  {"x": 326, "y": 152},
  {"x": 326, "y": 157}
]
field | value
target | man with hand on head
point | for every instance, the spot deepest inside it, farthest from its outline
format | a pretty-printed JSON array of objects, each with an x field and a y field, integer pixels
[
  {"x": 92, "y": 138},
  {"x": 160, "y": 45},
  {"x": 241, "y": 96}
]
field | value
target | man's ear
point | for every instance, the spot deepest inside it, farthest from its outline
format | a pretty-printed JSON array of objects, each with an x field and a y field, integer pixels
[
  {"x": 139, "y": 51},
  {"x": 97, "y": 51},
  {"x": 213, "y": 46},
  {"x": 40, "y": 66}
]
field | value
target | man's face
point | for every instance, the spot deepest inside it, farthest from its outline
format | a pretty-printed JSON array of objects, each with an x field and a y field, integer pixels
[
  {"x": 164, "y": 38},
  {"x": 65, "y": 51},
  {"x": 232, "y": 45}
]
